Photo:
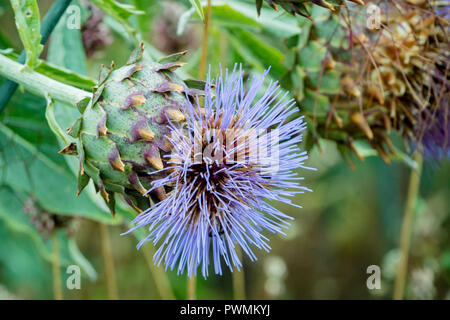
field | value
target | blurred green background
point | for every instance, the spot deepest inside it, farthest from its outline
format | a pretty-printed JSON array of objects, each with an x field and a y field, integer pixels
[{"x": 351, "y": 220}]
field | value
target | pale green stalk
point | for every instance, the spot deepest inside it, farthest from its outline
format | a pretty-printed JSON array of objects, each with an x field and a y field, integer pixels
[
  {"x": 407, "y": 225},
  {"x": 39, "y": 84},
  {"x": 159, "y": 275},
  {"x": 56, "y": 271}
]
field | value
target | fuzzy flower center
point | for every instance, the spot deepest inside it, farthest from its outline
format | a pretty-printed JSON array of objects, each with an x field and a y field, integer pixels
[{"x": 208, "y": 165}]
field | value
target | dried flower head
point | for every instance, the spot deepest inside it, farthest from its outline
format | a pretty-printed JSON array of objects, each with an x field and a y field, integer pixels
[
  {"x": 401, "y": 81},
  {"x": 409, "y": 78},
  {"x": 366, "y": 72},
  {"x": 228, "y": 159}
]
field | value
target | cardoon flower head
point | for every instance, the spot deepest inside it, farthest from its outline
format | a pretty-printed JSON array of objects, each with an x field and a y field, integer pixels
[
  {"x": 401, "y": 84},
  {"x": 228, "y": 158}
]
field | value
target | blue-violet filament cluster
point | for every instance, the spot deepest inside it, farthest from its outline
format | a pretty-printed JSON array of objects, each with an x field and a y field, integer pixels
[{"x": 237, "y": 150}]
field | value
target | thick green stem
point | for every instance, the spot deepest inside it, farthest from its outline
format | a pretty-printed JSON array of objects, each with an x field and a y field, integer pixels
[
  {"x": 405, "y": 237},
  {"x": 39, "y": 84}
]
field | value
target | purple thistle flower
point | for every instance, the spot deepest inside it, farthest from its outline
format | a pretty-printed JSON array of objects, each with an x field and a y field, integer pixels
[{"x": 221, "y": 176}]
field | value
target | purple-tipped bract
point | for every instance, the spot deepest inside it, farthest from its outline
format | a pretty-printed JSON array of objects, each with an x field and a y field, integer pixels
[{"x": 228, "y": 159}]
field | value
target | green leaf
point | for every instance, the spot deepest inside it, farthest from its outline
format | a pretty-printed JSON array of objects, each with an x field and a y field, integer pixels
[
  {"x": 13, "y": 216},
  {"x": 228, "y": 17},
  {"x": 66, "y": 76},
  {"x": 66, "y": 48},
  {"x": 346, "y": 154},
  {"x": 298, "y": 82},
  {"x": 195, "y": 84},
  {"x": 311, "y": 56},
  {"x": 270, "y": 20},
  {"x": 27, "y": 170},
  {"x": 328, "y": 83},
  {"x": 57, "y": 73},
  {"x": 149, "y": 7},
  {"x": 4, "y": 41},
  {"x": 25, "y": 115},
  {"x": 12, "y": 212},
  {"x": 27, "y": 17},
  {"x": 331, "y": 31},
  {"x": 119, "y": 11},
  {"x": 315, "y": 103},
  {"x": 319, "y": 14},
  {"x": 257, "y": 52},
  {"x": 303, "y": 39},
  {"x": 81, "y": 260},
  {"x": 198, "y": 7},
  {"x": 24, "y": 259}
]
